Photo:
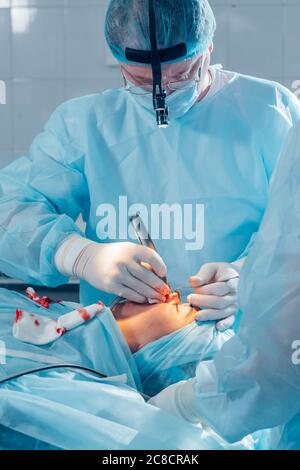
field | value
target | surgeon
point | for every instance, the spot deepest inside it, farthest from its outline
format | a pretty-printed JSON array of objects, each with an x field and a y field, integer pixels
[
  {"x": 254, "y": 380},
  {"x": 181, "y": 135}
]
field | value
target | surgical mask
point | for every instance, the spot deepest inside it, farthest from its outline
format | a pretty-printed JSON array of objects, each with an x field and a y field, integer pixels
[
  {"x": 182, "y": 99},
  {"x": 179, "y": 103}
]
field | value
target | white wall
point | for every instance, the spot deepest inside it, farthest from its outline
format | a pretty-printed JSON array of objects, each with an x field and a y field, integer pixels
[{"x": 51, "y": 50}]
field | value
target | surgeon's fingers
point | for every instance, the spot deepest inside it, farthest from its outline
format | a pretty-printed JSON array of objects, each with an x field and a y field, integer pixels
[
  {"x": 141, "y": 288},
  {"x": 149, "y": 278},
  {"x": 218, "y": 288},
  {"x": 233, "y": 283},
  {"x": 225, "y": 324},
  {"x": 211, "y": 301},
  {"x": 146, "y": 255},
  {"x": 210, "y": 314},
  {"x": 131, "y": 295},
  {"x": 206, "y": 274}
]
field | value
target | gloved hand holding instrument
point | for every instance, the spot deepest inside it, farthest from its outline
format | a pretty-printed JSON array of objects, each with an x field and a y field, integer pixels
[
  {"x": 133, "y": 272},
  {"x": 145, "y": 240}
]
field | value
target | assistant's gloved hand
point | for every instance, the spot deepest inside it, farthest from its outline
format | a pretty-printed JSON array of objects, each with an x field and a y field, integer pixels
[
  {"x": 179, "y": 400},
  {"x": 216, "y": 287},
  {"x": 116, "y": 268}
]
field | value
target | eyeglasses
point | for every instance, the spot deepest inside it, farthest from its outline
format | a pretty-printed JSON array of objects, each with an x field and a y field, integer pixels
[{"x": 146, "y": 88}]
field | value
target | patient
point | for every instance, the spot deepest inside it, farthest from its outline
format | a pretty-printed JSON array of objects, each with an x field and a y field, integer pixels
[
  {"x": 142, "y": 324},
  {"x": 166, "y": 341},
  {"x": 167, "y": 346}
]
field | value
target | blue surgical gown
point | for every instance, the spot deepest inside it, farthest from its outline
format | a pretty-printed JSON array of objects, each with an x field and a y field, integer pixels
[
  {"x": 219, "y": 156},
  {"x": 254, "y": 380}
]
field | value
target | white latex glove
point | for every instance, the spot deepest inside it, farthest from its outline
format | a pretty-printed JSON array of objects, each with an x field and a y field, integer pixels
[
  {"x": 216, "y": 287},
  {"x": 116, "y": 268},
  {"x": 179, "y": 400}
]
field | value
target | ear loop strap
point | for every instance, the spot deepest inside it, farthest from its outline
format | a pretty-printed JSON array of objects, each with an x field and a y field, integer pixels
[{"x": 205, "y": 62}]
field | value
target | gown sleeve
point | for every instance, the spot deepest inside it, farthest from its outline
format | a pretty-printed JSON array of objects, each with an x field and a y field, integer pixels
[{"x": 41, "y": 196}]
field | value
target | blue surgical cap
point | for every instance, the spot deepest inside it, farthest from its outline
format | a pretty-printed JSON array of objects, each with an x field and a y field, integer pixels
[{"x": 177, "y": 21}]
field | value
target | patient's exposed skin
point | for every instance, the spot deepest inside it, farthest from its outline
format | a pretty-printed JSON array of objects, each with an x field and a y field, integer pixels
[{"x": 143, "y": 324}]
